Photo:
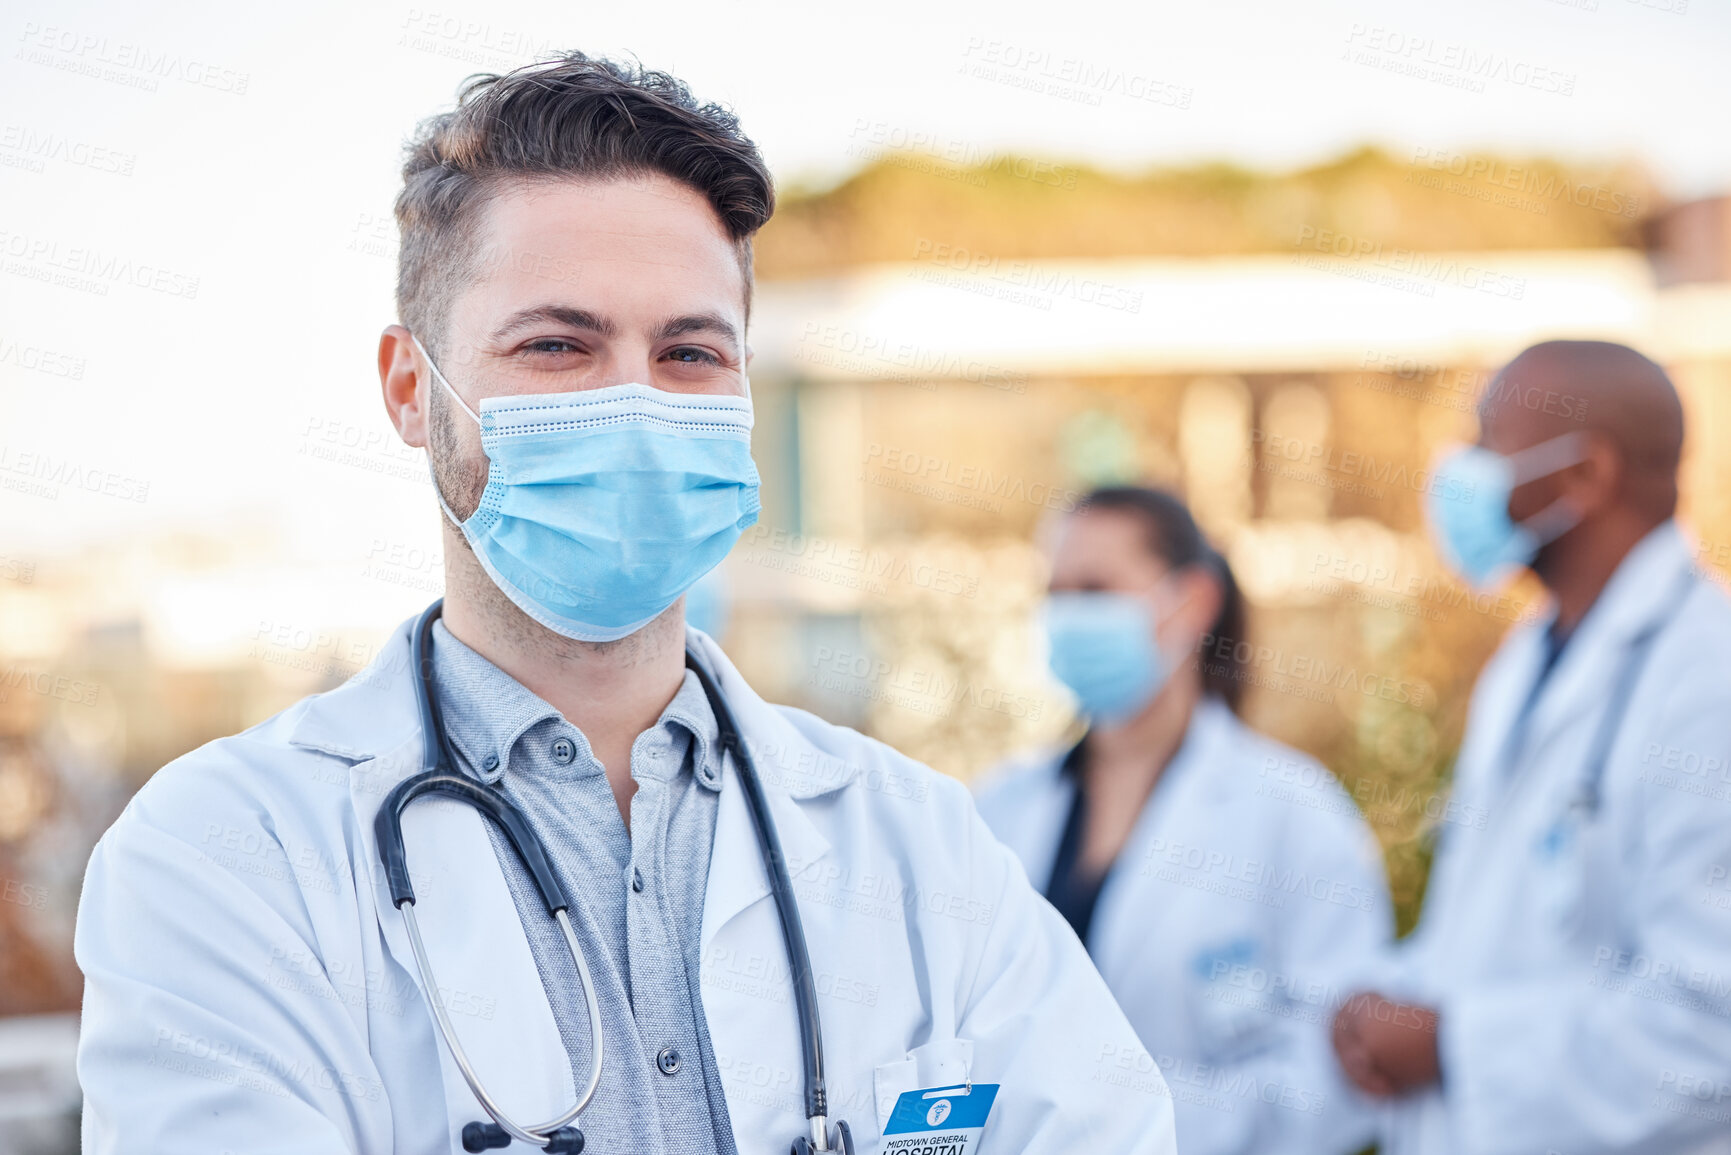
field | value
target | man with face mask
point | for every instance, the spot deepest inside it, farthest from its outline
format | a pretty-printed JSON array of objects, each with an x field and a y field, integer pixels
[
  {"x": 574, "y": 283},
  {"x": 1569, "y": 986}
]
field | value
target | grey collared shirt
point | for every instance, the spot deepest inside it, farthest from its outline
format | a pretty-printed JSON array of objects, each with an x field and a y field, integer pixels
[{"x": 637, "y": 896}]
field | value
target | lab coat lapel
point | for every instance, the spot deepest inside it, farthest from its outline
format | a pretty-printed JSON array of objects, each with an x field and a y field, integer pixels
[
  {"x": 1580, "y": 687},
  {"x": 790, "y": 768},
  {"x": 1189, "y": 787},
  {"x": 469, "y": 922},
  {"x": 737, "y": 876}
]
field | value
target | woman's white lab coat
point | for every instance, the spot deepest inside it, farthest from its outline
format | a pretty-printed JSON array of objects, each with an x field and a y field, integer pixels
[
  {"x": 1582, "y": 963},
  {"x": 249, "y": 986},
  {"x": 1249, "y": 899}
]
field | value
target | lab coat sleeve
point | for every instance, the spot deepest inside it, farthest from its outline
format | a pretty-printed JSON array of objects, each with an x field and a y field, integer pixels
[
  {"x": 209, "y": 1022},
  {"x": 1072, "y": 1074},
  {"x": 1632, "y": 1051}
]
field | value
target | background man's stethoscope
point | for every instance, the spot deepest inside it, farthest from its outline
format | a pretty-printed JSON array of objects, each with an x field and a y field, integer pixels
[{"x": 442, "y": 778}]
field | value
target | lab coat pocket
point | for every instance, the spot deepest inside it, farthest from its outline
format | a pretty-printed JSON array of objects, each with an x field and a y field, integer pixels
[{"x": 939, "y": 1063}]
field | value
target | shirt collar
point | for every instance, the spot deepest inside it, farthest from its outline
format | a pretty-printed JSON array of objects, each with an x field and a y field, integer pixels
[{"x": 486, "y": 712}]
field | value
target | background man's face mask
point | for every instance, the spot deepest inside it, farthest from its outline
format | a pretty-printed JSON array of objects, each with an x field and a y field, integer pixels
[
  {"x": 1468, "y": 506},
  {"x": 602, "y": 507},
  {"x": 1104, "y": 649}
]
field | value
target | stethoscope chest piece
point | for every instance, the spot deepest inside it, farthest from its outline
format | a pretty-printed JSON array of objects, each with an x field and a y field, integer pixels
[
  {"x": 487, "y": 1136},
  {"x": 840, "y": 1140}
]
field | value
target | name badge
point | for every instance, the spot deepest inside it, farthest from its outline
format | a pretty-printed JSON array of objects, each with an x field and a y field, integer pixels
[{"x": 941, "y": 1121}]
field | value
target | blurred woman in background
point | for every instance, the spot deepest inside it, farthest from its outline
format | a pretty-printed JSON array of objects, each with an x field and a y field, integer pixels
[{"x": 1225, "y": 885}]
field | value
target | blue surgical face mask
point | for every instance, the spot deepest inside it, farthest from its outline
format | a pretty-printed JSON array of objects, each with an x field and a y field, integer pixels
[
  {"x": 602, "y": 507},
  {"x": 1468, "y": 505},
  {"x": 1103, "y": 649}
]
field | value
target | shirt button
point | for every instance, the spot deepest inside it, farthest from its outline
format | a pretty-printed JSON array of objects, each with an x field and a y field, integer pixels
[
  {"x": 668, "y": 1060},
  {"x": 490, "y": 762},
  {"x": 563, "y": 751},
  {"x": 636, "y": 880}
]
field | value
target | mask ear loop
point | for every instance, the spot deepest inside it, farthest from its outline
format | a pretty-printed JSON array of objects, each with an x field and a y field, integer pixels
[
  {"x": 1547, "y": 457},
  {"x": 438, "y": 493},
  {"x": 1542, "y": 460},
  {"x": 440, "y": 378}
]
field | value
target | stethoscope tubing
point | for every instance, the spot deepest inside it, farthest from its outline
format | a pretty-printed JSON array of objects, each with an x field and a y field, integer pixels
[{"x": 441, "y": 778}]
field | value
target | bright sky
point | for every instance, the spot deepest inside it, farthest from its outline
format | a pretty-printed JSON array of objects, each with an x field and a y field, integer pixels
[{"x": 241, "y": 164}]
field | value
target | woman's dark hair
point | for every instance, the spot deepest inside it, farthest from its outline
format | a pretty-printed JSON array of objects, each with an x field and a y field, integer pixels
[{"x": 1174, "y": 537}]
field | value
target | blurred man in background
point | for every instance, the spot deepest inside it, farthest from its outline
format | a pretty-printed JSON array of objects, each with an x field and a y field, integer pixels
[{"x": 1569, "y": 987}]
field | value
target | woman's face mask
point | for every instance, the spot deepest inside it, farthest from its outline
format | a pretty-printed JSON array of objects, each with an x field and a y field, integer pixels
[
  {"x": 1468, "y": 507},
  {"x": 603, "y": 506},
  {"x": 1103, "y": 646}
]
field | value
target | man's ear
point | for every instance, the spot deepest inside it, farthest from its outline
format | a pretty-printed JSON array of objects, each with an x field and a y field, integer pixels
[
  {"x": 1597, "y": 480},
  {"x": 401, "y": 370}
]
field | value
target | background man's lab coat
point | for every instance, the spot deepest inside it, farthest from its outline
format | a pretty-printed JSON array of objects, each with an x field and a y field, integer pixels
[{"x": 1582, "y": 963}]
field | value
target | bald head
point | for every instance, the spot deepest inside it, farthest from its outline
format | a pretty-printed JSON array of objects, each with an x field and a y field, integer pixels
[{"x": 1603, "y": 388}]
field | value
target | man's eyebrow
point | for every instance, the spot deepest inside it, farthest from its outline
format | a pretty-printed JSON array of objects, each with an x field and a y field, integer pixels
[
  {"x": 559, "y": 314},
  {"x": 697, "y": 323}
]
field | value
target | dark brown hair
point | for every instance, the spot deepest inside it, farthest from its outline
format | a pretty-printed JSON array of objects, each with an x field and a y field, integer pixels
[
  {"x": 574, "y": 116},
  {"x": 1174, "y": 537}
]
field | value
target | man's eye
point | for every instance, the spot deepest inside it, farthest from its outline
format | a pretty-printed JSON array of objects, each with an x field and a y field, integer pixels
[
  {"x": 691, "y": 355},
  {"x": 551, "y": 345}
]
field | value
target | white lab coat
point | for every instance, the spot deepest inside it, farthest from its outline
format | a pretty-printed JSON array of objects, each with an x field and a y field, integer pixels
[
  {"x": 1248, "y": 901},
  {"x": 250, "y": 988},
  {"x": 1542, "y": 934}
]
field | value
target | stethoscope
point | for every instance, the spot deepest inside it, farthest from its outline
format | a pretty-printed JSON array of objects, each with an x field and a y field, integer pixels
[
  {"x": 1583, "y": 806},
  {"x": 559, "y": 1134}
]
